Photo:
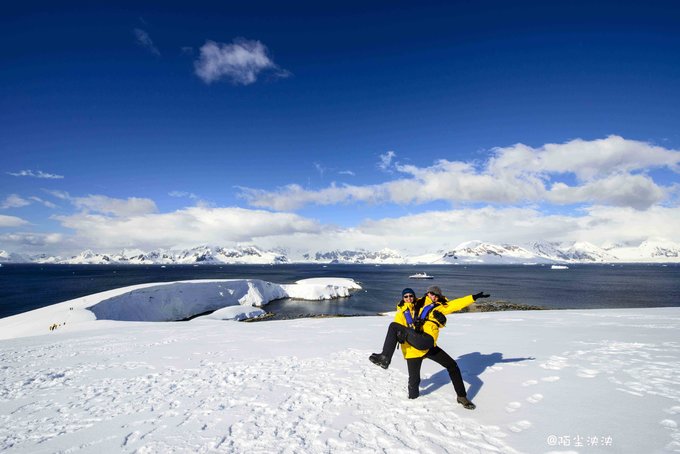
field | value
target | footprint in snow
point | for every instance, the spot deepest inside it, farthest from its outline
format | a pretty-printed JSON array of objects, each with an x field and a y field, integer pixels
[
  {"x": 513, "y": 407},
  {"x": 519, "y": 426},
  {"x": 535, "y": 398},
  {"x": 587, "y": 373},
  {"x": 669, "y": 423}
]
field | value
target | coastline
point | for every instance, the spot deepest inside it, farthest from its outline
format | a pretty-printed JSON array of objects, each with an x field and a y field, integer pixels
[{"x": 492, "y": 306}]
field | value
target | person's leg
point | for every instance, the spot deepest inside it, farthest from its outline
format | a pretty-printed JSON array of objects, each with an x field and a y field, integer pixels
[
  {"x": 414, "y": 377},
  {"x": 399, "y": 333},
  {"x": 420, "y": 340},
  {"x": 395, "y": 332},
  {"x": 442, "y": 358}
]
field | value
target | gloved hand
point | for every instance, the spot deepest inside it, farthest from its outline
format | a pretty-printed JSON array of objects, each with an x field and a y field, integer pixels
[
  {"x": 476, "y": 296},
  {"x": 418, "y": 324},
  {"x": 402, "y": 335},
  {"x": 441, "y": 318}
]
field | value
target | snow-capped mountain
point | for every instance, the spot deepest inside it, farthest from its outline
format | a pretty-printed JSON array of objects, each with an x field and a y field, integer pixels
[
  {"x": 660, "y": 249},
  {"x": 197, "y": 255},
  {"x": 384, "y": 256},
  {"x": 470, "y": 252},
  {"x": 11, "y": 257},
  {"x": 535, "y": 252},
  {"x": 587, "y": 252},
  {"x": 482, "y": 252},
  {"x": 237, "y": 255},
  {"x": 654, "y": 250},
  {"x": 550, "y": 251}
]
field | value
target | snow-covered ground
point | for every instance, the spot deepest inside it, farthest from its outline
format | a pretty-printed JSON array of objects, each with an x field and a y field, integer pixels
[{"x": 563, "y": 381}]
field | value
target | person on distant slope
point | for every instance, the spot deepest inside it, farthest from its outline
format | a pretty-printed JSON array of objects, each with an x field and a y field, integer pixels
[{"x": 416, "y": 327}]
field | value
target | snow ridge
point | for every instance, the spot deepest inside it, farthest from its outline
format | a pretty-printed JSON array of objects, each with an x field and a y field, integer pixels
[{"x": 226, "y": 299}]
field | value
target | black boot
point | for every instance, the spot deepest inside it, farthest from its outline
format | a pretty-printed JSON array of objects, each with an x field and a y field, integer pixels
[
  {"x": 413, "y": 393},
  {"x": 380, "y": 360},
  {"x": 466, "y": 403}
]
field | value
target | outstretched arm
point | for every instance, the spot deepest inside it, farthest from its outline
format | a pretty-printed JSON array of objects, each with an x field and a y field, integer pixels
[
  {"x": 460, "y": 303},
  {"x": 455, "y": 305}
]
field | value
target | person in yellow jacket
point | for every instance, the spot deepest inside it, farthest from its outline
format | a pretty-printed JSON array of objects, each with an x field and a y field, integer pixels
[{"x": 416, "y": 327}]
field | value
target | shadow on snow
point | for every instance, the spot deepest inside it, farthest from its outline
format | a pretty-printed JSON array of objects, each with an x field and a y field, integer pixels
[{"x": 472, "y": 366}]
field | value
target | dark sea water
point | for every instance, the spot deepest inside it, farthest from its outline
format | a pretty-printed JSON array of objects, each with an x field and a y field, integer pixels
[{"x": 27, "y": 287}]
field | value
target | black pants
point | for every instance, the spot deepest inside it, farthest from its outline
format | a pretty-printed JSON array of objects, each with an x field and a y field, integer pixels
[
  {"x": 397, "y": 333},
  {"x": 439, "y": 356}
]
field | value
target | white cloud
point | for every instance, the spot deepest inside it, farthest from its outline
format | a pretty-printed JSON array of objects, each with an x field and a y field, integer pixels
[
  {"x": 14, "y": 201},
  {"x": 620, "y": 225},
  {"x": 11, "y": 221},
  {"x": 319, "y": 168},
  {"x": 131, "y": 206},
  {"x": 184, "y": 228},
  {"x": 144, "y": 40},
  {"x": 47, "y": 203},
  {"x": 294, "y": 196},
  {"x": 108, "y": 205},
  {"x": 586, "y": 159},
  {"x": 386, "y": 160},
  {"x": 514, "y": 175},
  {"x": 183, "y": 194},
  {"x": 36, "y": 174},
  {"x": 240, "y": 62},
  {"x": 624, "y": 190},
  {"x": 63, "y": 195},
  {"x": 347, "y": 172},
  {"x": 412, "y": 234},
  {"x": 434, "y": 231},
  {"x": 32, "y": 239}
]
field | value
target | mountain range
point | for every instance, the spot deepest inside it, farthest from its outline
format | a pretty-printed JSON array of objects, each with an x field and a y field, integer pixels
[{"x": 470, "y": 252}]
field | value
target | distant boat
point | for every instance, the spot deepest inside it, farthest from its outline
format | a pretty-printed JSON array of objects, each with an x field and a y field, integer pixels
[
  {"x": 559, "y": 267},
  {"x": 421, "y": 276}
]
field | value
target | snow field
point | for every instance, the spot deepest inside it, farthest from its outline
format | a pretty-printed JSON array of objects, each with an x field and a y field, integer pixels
[{"x": 538, "y": 379}]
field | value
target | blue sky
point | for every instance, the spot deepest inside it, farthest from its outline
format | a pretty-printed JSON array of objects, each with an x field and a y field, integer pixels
[{"x": 324, "y": 121}]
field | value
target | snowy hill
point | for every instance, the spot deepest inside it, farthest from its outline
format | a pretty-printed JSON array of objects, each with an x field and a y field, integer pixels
[{"x": 544, "y": 381}]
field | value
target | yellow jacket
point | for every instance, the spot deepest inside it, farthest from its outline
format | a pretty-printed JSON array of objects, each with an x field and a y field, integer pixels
[{"x": 431, "y": 325}]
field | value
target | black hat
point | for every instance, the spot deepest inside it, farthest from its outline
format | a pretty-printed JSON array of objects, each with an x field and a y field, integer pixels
[
  {"x": 408, "y": 290},
  {"x": 434, "y": 289}
]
